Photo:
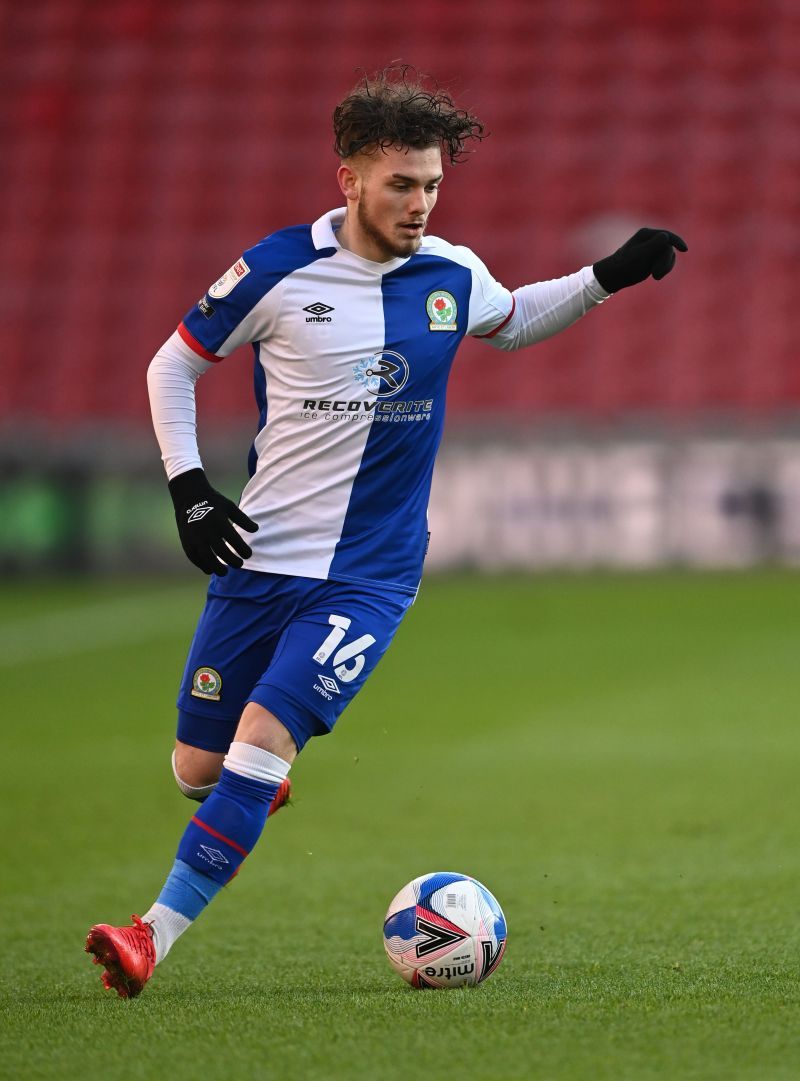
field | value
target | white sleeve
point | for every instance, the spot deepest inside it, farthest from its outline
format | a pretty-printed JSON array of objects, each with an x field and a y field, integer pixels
[
  {"x": 490, "y": 303},
  {"x": 171, "y": 377},
  {"x": 543, "y": 309}
]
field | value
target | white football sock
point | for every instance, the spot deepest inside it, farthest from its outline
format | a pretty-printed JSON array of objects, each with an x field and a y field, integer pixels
[
  {"x": 167, "y": 925},
  {"x": 256, "y": 763}
]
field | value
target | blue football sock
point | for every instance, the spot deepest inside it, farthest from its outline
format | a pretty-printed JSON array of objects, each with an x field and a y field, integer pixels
[
  {"x": 227, "y": 826},
  {"x": 216, "y": 841},
  {"x": 187, "y": 891}
]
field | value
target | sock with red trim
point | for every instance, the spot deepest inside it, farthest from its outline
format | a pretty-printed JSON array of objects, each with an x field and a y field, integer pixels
[{"x": 216, "y": 841}]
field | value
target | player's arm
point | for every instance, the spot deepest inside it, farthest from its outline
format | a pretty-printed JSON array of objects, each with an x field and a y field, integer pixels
[
  {"x": 533, "y": 313},
  {"x": 205, "y": 517},
  {"x": 236, "y": 309},
  {"x": 541, "y": 310}
]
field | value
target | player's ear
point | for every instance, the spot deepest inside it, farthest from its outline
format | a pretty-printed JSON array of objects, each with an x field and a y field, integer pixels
[{"x": 349, "y": 181}]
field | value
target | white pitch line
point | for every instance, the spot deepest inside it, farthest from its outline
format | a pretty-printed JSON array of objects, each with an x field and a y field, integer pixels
[{"x": 95, "y": 626}]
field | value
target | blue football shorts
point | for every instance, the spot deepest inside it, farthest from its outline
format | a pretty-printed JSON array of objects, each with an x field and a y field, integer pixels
[{"x": 300, "y": 647}]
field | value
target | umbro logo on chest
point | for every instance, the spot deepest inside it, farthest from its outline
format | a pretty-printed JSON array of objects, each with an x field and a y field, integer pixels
[{"x": 318, "y": 313}]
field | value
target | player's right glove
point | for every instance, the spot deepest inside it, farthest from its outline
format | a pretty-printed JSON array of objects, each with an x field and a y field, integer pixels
[
  {"x": 649, "y": 251},
  {"x": 204, "y": 518}
]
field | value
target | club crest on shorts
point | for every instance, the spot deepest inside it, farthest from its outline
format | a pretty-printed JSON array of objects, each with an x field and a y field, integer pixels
[
  {"x": 207, "y": 683},
  {"x": 442, "y": 310}
]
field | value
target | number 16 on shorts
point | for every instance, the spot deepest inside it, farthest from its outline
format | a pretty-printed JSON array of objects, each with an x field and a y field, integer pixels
[{"x": 348, "y": 660}]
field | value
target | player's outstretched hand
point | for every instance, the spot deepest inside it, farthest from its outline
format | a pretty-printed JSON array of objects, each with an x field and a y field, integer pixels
[
  {"x": 204, "y": 518},
  {"x": 649, "y": 251}
]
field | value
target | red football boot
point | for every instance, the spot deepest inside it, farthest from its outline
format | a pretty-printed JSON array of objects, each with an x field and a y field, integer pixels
[
  {"x": 281, "y": 797},
  {"x": 127, "y": 953}
]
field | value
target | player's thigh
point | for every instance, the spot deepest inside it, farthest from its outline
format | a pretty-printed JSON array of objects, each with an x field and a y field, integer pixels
[{"x": 326, "y": 654}]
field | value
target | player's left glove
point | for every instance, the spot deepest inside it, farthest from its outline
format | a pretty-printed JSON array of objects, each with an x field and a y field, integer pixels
[{"x": 649, "y": 251}]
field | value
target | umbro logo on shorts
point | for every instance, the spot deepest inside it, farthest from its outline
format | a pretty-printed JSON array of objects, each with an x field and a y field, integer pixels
[
  {"x": 327, "y": 687},
  {"x": 318, "y": 312}
]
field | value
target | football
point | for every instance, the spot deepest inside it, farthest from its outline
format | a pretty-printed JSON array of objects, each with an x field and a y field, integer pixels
[{"x": 444, "y": 930}]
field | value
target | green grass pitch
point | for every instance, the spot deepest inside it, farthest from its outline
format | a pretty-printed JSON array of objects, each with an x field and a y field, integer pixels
[{"x": 617, "y": 758}]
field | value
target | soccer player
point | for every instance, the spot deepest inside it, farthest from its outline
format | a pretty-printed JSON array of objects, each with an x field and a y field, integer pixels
[{"x": 355, "y": 322}]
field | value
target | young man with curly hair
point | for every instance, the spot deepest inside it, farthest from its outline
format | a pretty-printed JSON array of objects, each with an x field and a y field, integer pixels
[{"x": 355, "y": 322}]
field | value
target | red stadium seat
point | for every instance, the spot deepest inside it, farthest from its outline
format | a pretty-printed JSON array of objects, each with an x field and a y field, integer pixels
[{"x": 149, "y": 142}]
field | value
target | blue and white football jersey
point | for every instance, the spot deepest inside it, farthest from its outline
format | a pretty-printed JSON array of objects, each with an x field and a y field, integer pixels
[{"x": 352, "y": 359}]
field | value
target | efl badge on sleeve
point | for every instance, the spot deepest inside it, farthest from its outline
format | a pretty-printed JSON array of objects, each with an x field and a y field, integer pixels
[
  {"x": 207, "y": 683},
  {"x": 229, "y": 280},
  {"x": 442, "y": 310}
]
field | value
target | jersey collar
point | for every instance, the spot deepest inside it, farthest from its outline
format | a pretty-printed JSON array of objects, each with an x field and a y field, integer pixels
[{"x": 324, "y": 235}]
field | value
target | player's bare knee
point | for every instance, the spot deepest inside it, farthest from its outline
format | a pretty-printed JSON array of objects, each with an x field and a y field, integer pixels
[{"x": 196, "y": 772}]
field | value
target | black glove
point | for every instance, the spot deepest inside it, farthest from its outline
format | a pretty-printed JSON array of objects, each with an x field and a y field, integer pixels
[
  {"x": 204, "y": 519},
  {"x": 649, "y": 251}
]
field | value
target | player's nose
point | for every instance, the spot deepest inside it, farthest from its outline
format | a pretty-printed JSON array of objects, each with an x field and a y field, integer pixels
[{"x": 416, "y": 203}]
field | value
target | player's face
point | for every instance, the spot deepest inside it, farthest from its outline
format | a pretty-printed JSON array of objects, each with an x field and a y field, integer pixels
[{"x": 395, "y": 193}]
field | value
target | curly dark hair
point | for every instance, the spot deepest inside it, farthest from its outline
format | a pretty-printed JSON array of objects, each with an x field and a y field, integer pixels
[{"x": 400, "y": 107}]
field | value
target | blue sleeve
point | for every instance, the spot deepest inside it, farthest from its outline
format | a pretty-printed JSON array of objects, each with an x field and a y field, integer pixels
[{"x": 236, "y": 309}]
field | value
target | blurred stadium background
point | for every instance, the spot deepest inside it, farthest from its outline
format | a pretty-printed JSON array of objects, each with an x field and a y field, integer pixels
[
  {"x": 614, "y": 754},
  {"x": 145, "y": 144}
]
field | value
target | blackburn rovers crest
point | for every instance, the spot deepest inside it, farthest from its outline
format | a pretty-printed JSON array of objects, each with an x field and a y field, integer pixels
[
  {"x": 442, "y": 310},
  {"x": 207, "y": 683}
]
